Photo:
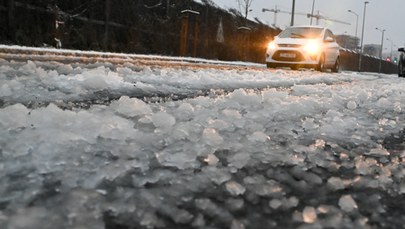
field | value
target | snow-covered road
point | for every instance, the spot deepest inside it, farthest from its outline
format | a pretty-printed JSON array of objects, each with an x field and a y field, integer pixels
[{"x": 101, "y": 145}]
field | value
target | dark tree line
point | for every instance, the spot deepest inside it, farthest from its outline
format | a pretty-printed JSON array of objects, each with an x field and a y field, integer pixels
[{"x": 168, "y": 27}]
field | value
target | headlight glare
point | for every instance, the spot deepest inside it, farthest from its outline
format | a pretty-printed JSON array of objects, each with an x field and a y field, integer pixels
[
  {"x": 312, "y": 48},
  {"x": 272, "y": 46}
]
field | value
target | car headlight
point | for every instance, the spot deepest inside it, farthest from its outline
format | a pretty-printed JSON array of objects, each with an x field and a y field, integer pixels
[
  {"x": 272, "y": 46},
  {"x": 312, "y": 48}
]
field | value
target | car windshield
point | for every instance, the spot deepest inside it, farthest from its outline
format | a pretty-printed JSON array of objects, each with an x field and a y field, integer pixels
[{"x": 301, "y": 32}]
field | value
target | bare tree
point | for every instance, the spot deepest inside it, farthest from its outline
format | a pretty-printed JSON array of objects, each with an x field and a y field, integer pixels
[{"x": 244, "y": 7}]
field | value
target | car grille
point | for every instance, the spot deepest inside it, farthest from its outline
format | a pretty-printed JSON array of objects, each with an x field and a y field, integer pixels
[
  {"x": 278, "y": 55},
  {"x": 289, "y": 45}
]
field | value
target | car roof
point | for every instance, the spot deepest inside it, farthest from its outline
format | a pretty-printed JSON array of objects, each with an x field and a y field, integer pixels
[{"x": 308, "y": 26}]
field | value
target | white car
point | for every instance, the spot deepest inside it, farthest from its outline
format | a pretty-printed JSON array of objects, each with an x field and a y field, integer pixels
[{"x": 304, "y": 47}]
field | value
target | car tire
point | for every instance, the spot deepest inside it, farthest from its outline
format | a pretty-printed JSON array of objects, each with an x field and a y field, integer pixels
[
  {"x": 294, "y": 67},
  {"x": 401, "y": 72},
  {"x": 271, "y": 65},
  {"x": 321, "y": 64},
  {"x": 336, "y": 67}
]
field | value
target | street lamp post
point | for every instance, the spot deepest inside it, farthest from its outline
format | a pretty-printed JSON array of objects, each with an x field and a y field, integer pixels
[
  {"x": 392, "y": 44},
  {"x": 362, "y": 34},
  {"x": 382, "y": 43},
  {"x": 357, "y": 20},
  {"x": 292, "y": 13},
  {"x": 312, "y": 11}
]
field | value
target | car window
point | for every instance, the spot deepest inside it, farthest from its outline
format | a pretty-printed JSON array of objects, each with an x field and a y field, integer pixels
[
  {"x": 328, "y": 34},
  {"x": 301, "y": 32}
]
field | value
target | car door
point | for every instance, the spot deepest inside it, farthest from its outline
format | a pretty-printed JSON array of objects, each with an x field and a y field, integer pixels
[{"x": 331, "y": 48}]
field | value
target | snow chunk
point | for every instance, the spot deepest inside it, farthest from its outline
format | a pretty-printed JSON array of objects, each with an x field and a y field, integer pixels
[
  {"x": 5, "y": 90},
  {"x": 163, "y": 120},
  {"x": 239, "y": 160},
  {"x": 242, "y": 97},
  {"x": 258, "y": 136},
  {"x": 232, "y": 114},
  {"x": 236, "y": 224},
  {"x": 212, "y": 137},
  {"x": 216, "y": 175},
  {"x": 309, "y": 215},
  {"x": 336, "y": 183},
  {"x": 234, "y": 188},
  {"x": 131, "y": 107},
  {"x": 185, "y": 111},
  {"x": 275, "y": 203},
  {"x": 351, "y": 105},
  {"x": 379, "y": 151},
  {"x": 64, "y": 69},
  {"x": 347, "y": 203},
  {"x": 211, "y": 159},
  {"x": 384, "y": 103},
  {"x": 14, "y": 116},
  {"x": 284, "y": 203}
]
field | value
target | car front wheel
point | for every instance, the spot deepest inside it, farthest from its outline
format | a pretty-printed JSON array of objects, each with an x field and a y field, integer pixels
[
  {"x": 336, "y": 67},
  {"x": 271, "y": 65},
  {"x": 321, "y": 64}
]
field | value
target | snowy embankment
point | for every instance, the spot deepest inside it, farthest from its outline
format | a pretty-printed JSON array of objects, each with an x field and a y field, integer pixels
[{"x": 96, "y": 146}]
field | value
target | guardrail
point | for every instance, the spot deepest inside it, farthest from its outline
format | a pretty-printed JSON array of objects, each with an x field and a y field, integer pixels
[{"x": 350, "y": 61}]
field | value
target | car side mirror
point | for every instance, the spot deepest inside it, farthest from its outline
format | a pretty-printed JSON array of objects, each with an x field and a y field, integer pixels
[
  {"x": 329, "y": 39},
  {"x": 402, "y": 49}
]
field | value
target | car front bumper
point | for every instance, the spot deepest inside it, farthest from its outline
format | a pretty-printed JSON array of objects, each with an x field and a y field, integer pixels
[{"x": 288, "y": 57}]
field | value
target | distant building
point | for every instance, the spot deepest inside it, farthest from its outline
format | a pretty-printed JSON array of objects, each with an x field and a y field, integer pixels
[{"x": 347, "y": 42}]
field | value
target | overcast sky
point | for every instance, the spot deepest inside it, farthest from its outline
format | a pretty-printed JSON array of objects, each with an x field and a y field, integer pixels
[{"x": 384, "y": 14}]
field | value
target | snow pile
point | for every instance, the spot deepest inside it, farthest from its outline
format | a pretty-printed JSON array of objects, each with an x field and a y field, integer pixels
[{"x": 93, "y": 146}]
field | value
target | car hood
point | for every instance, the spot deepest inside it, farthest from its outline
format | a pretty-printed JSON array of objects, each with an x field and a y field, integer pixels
[{"x": 295, "y": 41}]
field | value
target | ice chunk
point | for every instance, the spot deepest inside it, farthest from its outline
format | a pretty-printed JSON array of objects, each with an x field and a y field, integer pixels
[
  {"x": 34, "y": 217},
  {"x": 336, "y": 183},
  {"x": 220, "y": 125},
  {"x": 379, "y": 151},
  {"x": 5, "y": 90},
  {"x": 14, "y": 116},
  {"x": 309, "y": 124},
  {"x": 397, "y": 107},
  {"x": 402, "y": 188},
  {"x": 185, "y": 111},
  {"x": 258, "y": 136},
  {"x": 242, "y": 97},
  {"x": 199, "y": 221},
  {"x": 216, "y": 175},
  {"x": 234, "y": 188},
  {"x": 239, "y": 160},
  {"x": 163, "y": 120},
  {"x": 176, "y": 158},
  {"x": 351, "y": 105},
  {"x": 95, "y": 78},
  {"x": 212, "y": 137},
  {"x": 131, "y": 107},
  {"x": 181, "y": 216},
  {"x": 64, "y": 69},
  {"x": 236, "y": 224},
  {"x": 273, "y": 94},
  {"x": 149, "y": 220},
  {"x": 384, "y": 103},
  {"x": 232, "y": 114},
  {"x": 211, "y": 159},
  {"x": 213, "y": 210},
  {"x": 290, "y": 202},
  {"x": 309, "y": 214},
  {"x": 275, "y": 203},
  {"x": 29, "y": 67},
  {"x": 235, "y": 204},
  {"x": 347, "y": 203}
]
